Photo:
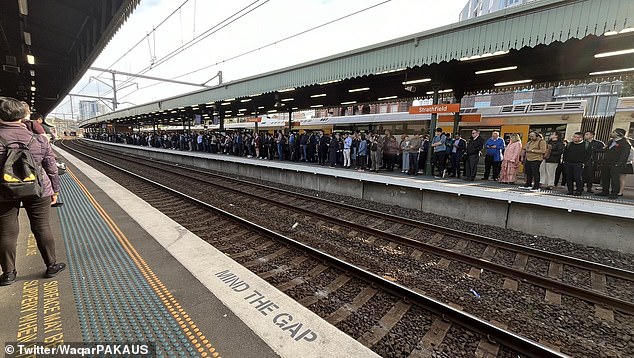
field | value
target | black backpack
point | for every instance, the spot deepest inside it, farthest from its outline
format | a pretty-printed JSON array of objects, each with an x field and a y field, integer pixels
[{"x": 20, "y": 174}]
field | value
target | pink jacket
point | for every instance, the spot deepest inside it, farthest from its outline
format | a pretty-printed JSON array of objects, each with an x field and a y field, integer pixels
[
  {"x": 40, "y": 149},
  {"x": 512, "y": 152}
]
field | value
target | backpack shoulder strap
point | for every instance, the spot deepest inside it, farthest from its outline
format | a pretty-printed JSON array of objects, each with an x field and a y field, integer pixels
[{"x": 33, "y": 137}]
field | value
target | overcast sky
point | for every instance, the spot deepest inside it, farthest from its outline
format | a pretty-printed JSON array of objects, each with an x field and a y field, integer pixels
[{"x": 273, "y": 20}]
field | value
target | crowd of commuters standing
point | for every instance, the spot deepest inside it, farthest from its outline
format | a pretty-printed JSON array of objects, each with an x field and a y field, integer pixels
[{"x": 547, "y": 162}]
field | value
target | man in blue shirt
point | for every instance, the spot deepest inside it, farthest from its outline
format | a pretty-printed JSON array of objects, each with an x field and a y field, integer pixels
[
  {"x": 347, "y": 144},
  {"x": 493, "y": 158}
]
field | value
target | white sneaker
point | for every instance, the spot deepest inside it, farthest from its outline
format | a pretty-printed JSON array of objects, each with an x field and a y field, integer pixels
[
  {"x": 525, "y": 187},
  {"x": 537, "y": 190}
]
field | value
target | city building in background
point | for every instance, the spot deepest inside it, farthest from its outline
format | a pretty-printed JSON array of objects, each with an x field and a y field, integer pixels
[
  {"x": 90, "y": 109},
  {"x": 63, "y": 125},
  {"x": 475, "y": 8}
]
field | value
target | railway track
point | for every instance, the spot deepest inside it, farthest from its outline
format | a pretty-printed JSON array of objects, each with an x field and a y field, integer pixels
[{"x": 445, "y": 243}]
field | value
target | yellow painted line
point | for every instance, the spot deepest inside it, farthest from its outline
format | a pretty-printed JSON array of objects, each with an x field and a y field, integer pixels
[{"x": 159, "y": 288}]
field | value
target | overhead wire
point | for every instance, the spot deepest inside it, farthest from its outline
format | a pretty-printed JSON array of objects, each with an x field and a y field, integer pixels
[
  {"x": 212, "y": 30},
  {"x": 268, "y": 45}
]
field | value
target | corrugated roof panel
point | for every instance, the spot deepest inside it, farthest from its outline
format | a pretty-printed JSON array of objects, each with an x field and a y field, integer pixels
[{"x": 528, "y": 25}]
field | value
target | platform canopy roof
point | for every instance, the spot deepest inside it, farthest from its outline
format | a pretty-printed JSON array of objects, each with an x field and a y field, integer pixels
[
  {"x": 545, "y": 42},
  {"x": 63, "y": 37}
]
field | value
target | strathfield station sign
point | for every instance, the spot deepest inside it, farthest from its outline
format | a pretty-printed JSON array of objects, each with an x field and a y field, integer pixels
[{"x": 435, "y": 108}]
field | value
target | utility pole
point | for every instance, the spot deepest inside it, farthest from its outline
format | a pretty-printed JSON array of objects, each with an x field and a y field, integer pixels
[{"x": 114, "y": 92}]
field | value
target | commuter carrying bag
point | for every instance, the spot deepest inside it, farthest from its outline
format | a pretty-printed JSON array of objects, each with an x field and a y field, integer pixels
[{"x": 20, "y": 173}]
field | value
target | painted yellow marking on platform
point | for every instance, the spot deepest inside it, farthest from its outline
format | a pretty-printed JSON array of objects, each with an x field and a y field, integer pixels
[
  {"x": 147, "y": 272},
  {"x": 31, "y": 246},
  {"x": 28, "y": 321},
  {"x": 53, "y": 330}
]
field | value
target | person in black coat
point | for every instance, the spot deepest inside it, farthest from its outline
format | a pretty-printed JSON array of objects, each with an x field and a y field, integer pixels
[
  {"x": 333, "y": 150},
  {"x": 614, "y": 159},
  {"x": 324, "y": 141},
  {"x": 474, "y": 146},
  {"x": 458, "y": 148}
]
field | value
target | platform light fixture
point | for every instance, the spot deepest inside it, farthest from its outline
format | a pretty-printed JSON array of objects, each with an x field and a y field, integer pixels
[
  {"x": 441, "y": 91},
  {"x": 272, "y": 111},
  {"x": 611, "y": 71},
  {"x": 614, "y": 53},
  {"x": 32, "y": 72},
  {"x": 33, "y": 88},
  {"x": 242, "y": 110},
  {"x": 626, "y": 30},
  {"x": 255, "y": 95},
  {"x": 295, "y": 108},
  {"x": 261, "y": 107},
  {"x": 349, "y": 102},
  {"x": 316, "y": 106},
  {"x": 287, "y": 89},
  {"x": 421, "y": 80},
  {"x": 318, "y": 95},
  {"x": 245, "y": 100},
  {"x": 386, "y": 98},
  {"x": 225, "y": 103},
  {"x": 30, "y": 59},
  {"x": 328, "y": 82},
  {"x": 287, "y": 99},
  {"x": 500, "y": 69},
  {"x": 484, "y": 55},
  {"x": 230, "y": 99},
  {"x": 390, "y": 71},
  {"x": 359, "y": 89},
  {"x": 27, "y": 38},
  {"x": 610, "y": 33},
  {"x": 500, "y": 84},
  {"x": 23, "y": 7}
]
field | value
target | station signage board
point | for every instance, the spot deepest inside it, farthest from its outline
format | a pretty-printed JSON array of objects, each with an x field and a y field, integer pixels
[
  {"x": 256, "y": 119},
  {"x": 435, "y": 108}
]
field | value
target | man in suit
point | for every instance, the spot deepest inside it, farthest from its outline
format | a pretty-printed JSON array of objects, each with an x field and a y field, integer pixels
[
  {"x": 457, "y": 149},
  {"x": 474, "y": 146}
]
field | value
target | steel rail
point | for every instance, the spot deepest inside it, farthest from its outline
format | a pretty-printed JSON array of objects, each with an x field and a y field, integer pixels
[
  {"x": 544, "y": 282},
  {"x": 550, "y": 256},
  {"x": 486, "y": 329}
]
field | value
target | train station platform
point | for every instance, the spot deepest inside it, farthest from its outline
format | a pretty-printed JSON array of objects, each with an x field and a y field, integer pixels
[
  {"x": 589, "y": 219},
  {"x": 141, "y": 287}
]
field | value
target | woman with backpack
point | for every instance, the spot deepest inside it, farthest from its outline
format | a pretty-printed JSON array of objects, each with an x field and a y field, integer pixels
[{"x": 35, "y": 184}]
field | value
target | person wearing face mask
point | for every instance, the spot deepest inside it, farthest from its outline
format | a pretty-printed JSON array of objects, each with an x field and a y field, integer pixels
[{"x": 616, "y": 153}]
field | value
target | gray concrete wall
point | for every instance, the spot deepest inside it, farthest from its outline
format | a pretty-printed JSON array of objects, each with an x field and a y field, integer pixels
[{"x": 578, "y": 227}]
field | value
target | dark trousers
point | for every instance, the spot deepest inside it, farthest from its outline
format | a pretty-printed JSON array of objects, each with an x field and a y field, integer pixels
[
  {"x": 413, "y": 163},
  {"x": 456, "y": 158},
  {"x": 610, "y": 175},
  {"x": 531, "y": 169},
  {"x": 391, "y": 161},
  {"x": 488, "y": 163},
  {"x": 422, "y": 159},
  {"x": 38, "y": 211},
  {"x": 472, "y": 166},
  {"x": 574, "y": 175},
  {"x": 560, "y": 172},
  {"x": 440, "y": 161},
  {"x": 362, "y": 160},
  {"x": 588, "y": 175}
]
